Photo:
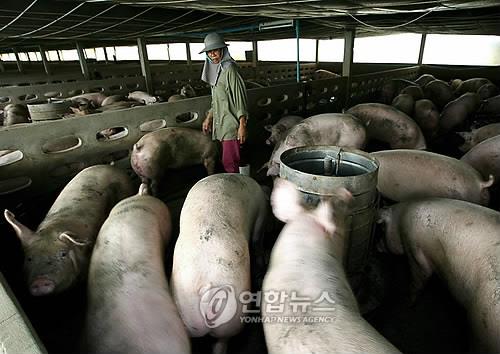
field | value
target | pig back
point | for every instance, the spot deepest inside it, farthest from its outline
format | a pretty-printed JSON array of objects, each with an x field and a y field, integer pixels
[
  {"x": 307, "y": 264},
  {"x": 409, "y": 174},
  {"x": 220, "y": 214},
  {"x": 130, "y": 308},
  {"x": 388, "y": 124},
  {"x": 484, "y": 157},
  {"x": 459, "y": 241},
  {"x": 84, "y": 203}
]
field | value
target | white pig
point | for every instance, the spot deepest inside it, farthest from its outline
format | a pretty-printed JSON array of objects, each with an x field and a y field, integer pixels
[
  {"x": 142, "y": 97},
  {"x": 459, "y": 241},
  {"x": 307, "y": 262},
  {"x": 130, "y": 309},
  {"x": 322, "y": 129},
  {"x": 279, "y": 129},
  {"x": 211, "y": 257}
]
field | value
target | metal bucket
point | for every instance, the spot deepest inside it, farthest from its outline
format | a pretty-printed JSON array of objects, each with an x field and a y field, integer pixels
[
  {"x": 48, "y": 111},
  {"x": 318, "y": 170}
]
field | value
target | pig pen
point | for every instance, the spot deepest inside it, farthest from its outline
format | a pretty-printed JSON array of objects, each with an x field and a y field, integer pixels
[{"x": 434, "y": 323}]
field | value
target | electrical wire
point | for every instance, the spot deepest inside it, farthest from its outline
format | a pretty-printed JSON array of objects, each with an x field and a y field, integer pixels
[
  {"x": 18, "y": 16},
  {"x": 392, "y": 27},
  {"x": 49, "y": 24},
  {"x": 112, "y": 26},
  {"x": 79, "y": 23}
]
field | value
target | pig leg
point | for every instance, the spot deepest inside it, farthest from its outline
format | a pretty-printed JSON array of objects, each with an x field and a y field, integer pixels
[
  {"x": 155, "y": 187},
  {"x": 258, "y": 249},
  {"x": 209, "y": 163},
  {"x": 421, "y": 271},
  {"x": 220, "y": 347}
]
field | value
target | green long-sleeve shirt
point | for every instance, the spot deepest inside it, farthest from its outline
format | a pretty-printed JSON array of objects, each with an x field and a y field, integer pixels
[{"x": 229, "y": 103}]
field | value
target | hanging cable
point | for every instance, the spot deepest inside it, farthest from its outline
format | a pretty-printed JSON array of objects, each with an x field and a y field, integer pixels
[
  {"x": 112, "y": 26},
  {"x": 49, "y": 24},
  {"x": 78, "y": 24},
  {"x": 392, "y": 27},
  {"x": 17, "y": 17},
  {"x": 133, "y": 35}
]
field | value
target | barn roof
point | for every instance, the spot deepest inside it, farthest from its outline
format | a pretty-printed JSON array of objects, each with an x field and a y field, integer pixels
[{"x": 59, "y": 23}]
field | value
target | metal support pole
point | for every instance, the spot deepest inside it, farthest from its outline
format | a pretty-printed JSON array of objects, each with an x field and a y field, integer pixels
[
  {"x": 422, "y": 48},
  {"x": 143, "y": 57},
  {"x": 83, "y": 62},
  {"x": 188, "y": 54},
  {"x": 255, "y": 54},
  {"x": 18, "y": 61},
  {"x": 349, "y": 36},
  {"x": 317, "y": 53},
  {"x": 348, "y": 52},
  {"x": 45, "y": 62},
  {"x": 2, "y": 67},
  {"x": 106, "y": 60},
  {"x": 297, "y": 35}
]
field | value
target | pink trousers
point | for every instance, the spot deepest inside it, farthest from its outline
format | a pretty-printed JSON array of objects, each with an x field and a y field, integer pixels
[{"x": 231, "y": 156}]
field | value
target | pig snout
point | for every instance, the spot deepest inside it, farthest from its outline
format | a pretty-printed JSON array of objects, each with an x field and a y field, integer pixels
[{"x": 42, "y": 286}]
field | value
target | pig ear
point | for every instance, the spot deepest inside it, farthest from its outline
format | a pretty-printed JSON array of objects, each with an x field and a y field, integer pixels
[
  {"x": 268, "y": 127},
  {"x": 382, "y": 215},
  {"x": 22, "y": 232},
  {"x": 144, "y": 189},
  {"x": 285, "y": 200},
  {"x": 341, "y": 199},
  {"x": 324, "y": 216},
  {"x": 69, "y": 237}
]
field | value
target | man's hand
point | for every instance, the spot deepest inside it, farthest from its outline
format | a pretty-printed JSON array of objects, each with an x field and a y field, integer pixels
[
  {"x": 242, "y": 130},
  {"x": 207, "y": 124}
]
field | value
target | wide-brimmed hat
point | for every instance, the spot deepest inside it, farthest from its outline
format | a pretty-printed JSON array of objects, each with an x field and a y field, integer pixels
[{"x": 213, "y": 41}]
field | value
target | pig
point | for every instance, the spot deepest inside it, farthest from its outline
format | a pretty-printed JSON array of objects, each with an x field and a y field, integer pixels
[
  {"x": 171, "y": 148},
  {"x": 460, "y": 242},
  {"x": 176, "y": 98},
  {"x": 488, "y": 90},
  {"x": 187, "y": 91},
  {"x": 58, "y": 253},
  {"x": 279, "y": 129},
  {"x": 15, "y": 114},
  {"x": 485, "y": 157},
  {"x": 413, "y": 90},
  {"x": 475, "y": 136},
  {"x": 113, "y": 99},
  {"x": 142, "y": 97},
  {"x": 324, "y": 74},
  {"x": 424, "y": 79},
  {"x": 130, "y": 309},
  {"x": 95, "y": 98},
  {"x": 409, "y": 174},
  {"x": 438, "y": 92},
  {"x": 392, "y": 87},
  {"x": 455, "y": 83},
  {"x": 388, "y": 124},
  {"x": 457, "y": 112},
  {"x": 427, "y": 117},
  {"x": 404, "y": 102},
  {"x": 82, "y": 106},
  {"x": 220, "y": 215},
  {"x": 307, "y": 261},
  {"x": 490, "y": 106},
  {"x": 322, "y": 129},
  {"x": 471, "y": 85}
]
